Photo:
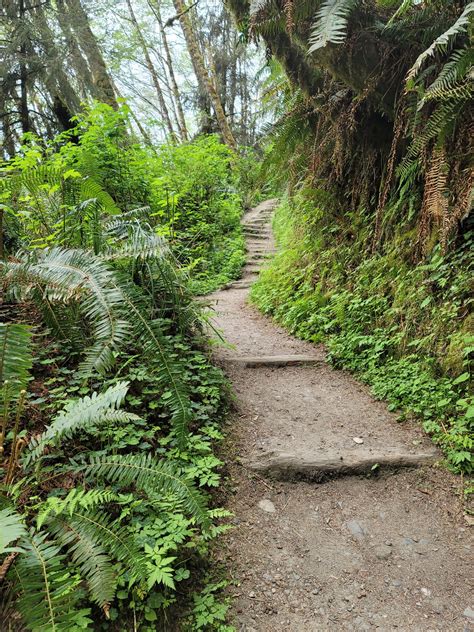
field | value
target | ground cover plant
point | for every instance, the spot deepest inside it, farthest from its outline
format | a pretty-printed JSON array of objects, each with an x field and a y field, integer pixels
[
  {"x": 405, "y": 329},
  {"x": 110, "y": 405}
]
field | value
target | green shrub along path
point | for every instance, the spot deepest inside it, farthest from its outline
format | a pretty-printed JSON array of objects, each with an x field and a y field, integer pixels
[
  {"x": 110, "y": 406},
  {"x": 344, "y": 518}
]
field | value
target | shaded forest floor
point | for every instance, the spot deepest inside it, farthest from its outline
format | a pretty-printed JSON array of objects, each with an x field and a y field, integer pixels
[{"x": 388, "y": 549}]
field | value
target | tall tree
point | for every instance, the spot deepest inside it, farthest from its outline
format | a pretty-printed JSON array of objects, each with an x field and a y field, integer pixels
[
  {"x": 203, "y": 74},
  {"x": 80, "y": 25},
  {"x": 152, "y": 70},
  {"x": 169, "y": 62}
]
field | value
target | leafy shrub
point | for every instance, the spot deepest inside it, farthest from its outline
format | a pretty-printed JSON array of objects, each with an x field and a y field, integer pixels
[
  {"x": 110, "y": 404},
  {"x": 59, "y": 192}
]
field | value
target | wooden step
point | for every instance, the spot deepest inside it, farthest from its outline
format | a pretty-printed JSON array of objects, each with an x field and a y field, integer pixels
[
  {"x": 276, "y": 361},
  {"x": 258, "y": 257},
  {"x": 242, "y": 284},
  {"x": 317, "y": 465},
  {"x": 252, "y": 231},
  {"x": 258, "y": 237}
]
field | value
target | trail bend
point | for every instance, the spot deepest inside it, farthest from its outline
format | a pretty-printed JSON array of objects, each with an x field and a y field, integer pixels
[{"x": 342, "y": 519}]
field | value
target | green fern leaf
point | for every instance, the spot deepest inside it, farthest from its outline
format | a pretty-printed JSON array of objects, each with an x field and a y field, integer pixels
[
  {"x": 152, "y": 476},
  {"x": 140, "y": 244},
  {"x": 330, "y": 23},
  {"x": 49, "y": 597},
  {"x": 11, "y": 529},
  {"x": 81, "y": 415},
  {"x": 90, "y": 556},
  {"x": 15, "y": 356},
  {"x": 66, "y": 275},
  {"x": 256, "y": 6},
  {"x": 100, "y": 528},
  {"x": 442, "y": 42},
  {"x": 154, "y": 343}
]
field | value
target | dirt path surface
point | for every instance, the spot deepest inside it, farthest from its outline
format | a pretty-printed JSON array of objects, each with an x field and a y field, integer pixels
[{"x": 388, "y": 550}]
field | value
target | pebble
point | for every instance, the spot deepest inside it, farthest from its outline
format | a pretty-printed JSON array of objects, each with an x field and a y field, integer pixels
[
  {"x": 437, "y": 606},
  {"x": 382, "y": 552},
  {"x": 267, "y": 505},
  {"x": 469, "y": 613},
  {"x": 252, "y": 594},
  {"x": 358, "y": 440},
  {"x": 356, "y": 529},
  {"x": 426, "y": 592}
]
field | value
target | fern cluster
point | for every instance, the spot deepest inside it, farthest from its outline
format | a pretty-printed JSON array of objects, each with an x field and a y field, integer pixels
[{"x": 76, "y": 540}]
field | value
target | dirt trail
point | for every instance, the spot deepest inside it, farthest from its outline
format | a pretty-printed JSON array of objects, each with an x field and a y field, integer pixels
[{"x": 388, "y": 550}]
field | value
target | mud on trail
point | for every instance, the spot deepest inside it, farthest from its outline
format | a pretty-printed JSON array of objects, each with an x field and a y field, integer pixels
[{"x": 343, "y": 520}]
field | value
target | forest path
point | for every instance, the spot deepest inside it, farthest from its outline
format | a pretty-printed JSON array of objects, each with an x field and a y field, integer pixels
[{"x": 382, "y": 551}]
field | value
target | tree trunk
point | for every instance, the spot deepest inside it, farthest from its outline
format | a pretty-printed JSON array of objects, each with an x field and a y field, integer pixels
[
  {"x": 169, "y": 62},
  {"x": 80, "y": 25},
  {"x": 152, "y": 70},
  {"x": 202, "y": 73},
  {"x": 79, "y": 62},
  {"x": 66, "y": 102},
  {"x": 24, "y": 114}
]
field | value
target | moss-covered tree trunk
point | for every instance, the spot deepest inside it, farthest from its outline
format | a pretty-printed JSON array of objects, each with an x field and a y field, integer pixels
[{"x": 204, "y": 75}]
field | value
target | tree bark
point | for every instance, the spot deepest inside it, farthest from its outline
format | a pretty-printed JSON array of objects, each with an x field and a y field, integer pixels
[
  {"x": 24, "y": 114},
  {"x": 152, "y": 70},
  {"x": 79, "y": 62},
  {"x": 80, "y": 25},
  {"x": 169, "y": 62},
  {"x": 66, "y": 102},
  {"x": 202, "y": 73}
]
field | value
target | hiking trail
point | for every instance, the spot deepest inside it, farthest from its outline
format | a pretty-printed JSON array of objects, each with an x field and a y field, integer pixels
[{"x": 342, "y": 520}]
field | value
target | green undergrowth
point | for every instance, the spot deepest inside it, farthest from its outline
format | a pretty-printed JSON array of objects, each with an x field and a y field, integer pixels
[
  {"x": 192, "y": 194},
  {"x": 405, "y": 329},
  {"x": 111, "y": 410}
]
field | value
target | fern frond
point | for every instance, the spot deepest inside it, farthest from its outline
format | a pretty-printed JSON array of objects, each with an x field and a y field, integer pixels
[
  {"x": 15, "y": 356},
  {"x": 457, "y": 67},
  {"x": 460, "y": 92},
  {"x": 155, "y": 344},
  {"x": 49, "y": 596},
  {"x": 89, "y": 538},
  {"x": 76, "y": 499},
  {"x": 442, "y": 42},
  {"x": 90, "y": 556},
  {"x": 256, "y": 6},
  {"x": 435, "y": 199},
  {"x": 91, "y": 190},
  {"x": 81, "y": 415},
  {"x": 103, "y": 530},
  {"x": 67, "y": 274},
  {"x": 438, "y": 121},
  {"x": 11, "y": 529},
  {"x": 140, "y": 244},
  {"x": 330, "y": 23},
  {"x": 151, "y": 476}
]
